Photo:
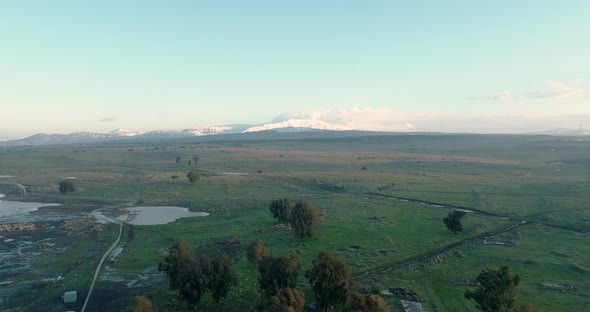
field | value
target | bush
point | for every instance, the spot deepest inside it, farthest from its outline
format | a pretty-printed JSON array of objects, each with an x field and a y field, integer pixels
[{"x": 66, "y": 186}]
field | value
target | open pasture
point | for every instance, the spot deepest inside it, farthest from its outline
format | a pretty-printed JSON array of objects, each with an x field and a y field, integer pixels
[{"x": 383, "y": 198}]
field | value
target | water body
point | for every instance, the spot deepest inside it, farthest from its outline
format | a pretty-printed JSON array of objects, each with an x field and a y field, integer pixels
[
  {"x": 160, "y": 214},
  {"x": 10, "y": 208}
]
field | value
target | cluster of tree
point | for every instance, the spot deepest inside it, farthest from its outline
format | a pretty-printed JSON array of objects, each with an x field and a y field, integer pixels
[
  {"x": 66, "y": 186},
  {"x": 191, "y": 279},
  {"x": 331, "y": 281},
  {"x": 330, "y": 278},
  {"x": 303, "y": 216},
  {"x": 277, "y": 280},
  {"x": 453, "y": 221},
  {"x": 194, "y": 160}
]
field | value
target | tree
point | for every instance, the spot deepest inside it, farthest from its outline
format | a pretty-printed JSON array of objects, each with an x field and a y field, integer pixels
[
  {"x": 496, "y": 290},
  {"x": 184, "y": 274},
  {"x": 331, "y": 281},
  {"x": 178, "y": 159},
  {"x": 281, "y": 209},
  {"x": 189, "y": 162},
  {"x": 257, "y": 251},
  {"x": 196, "y": 160},
  {"x": 286, "y": 300},
  {"x": 367, "y": 303},
  {"x": 66, "y": 186},
  {"x": 277, "y": 273},
  {"x": 453, "y": 221},
  {"x": 143, "y": 304},
  {"x": 193, "y": 177},
  {"x": 304, "y": 217},
  {"x": 221, "y": 277},
  {"x": 192, "y": 283}
]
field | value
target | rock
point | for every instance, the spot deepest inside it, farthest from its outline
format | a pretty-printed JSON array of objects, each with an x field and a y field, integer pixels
[
  {"x": 276, "y": 228},
  {"x": 412, "y": 306},
  {"x": 10, "y": 227},
  {"x": 439, "y": 258},
  {"x": 557, "y": 287},
  {"x": 405, "y": 293}
]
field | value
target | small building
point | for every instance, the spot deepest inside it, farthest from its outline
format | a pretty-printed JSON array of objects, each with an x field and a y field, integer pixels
[{"x": 69, "y": 297}]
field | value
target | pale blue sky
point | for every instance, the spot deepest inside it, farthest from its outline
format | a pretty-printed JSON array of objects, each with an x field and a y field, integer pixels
[{"x": 78, "y": 65}]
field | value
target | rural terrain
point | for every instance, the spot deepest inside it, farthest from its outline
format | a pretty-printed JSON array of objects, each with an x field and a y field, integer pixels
[{"x": 382, "y": 199}]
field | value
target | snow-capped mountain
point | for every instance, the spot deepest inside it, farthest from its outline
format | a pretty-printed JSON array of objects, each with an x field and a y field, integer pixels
[
  {"x": 124, "y": 132},
  {"x": 83, "y": 137},
  {"x": 297, "y": 125},
  {"x": 206, "y": 130}
]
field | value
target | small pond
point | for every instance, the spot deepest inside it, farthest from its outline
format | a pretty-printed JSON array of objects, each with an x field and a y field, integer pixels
[
  {"x": 9, "y": 207},
  {"x": 158, "y": 215}
]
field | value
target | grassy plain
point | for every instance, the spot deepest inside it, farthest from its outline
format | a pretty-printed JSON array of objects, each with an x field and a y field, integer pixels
[{"x": 384, "y": 198}]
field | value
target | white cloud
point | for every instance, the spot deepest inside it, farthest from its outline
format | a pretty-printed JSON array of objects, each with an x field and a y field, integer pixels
[
  {"x": 107, "y": 119},
  {"x": 554, "y": 90}
]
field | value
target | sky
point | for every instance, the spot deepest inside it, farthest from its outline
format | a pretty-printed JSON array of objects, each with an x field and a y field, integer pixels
[{"x": 451, "y": 66}]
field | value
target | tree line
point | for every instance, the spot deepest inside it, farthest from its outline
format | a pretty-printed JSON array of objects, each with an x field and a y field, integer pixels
[
  {"x": 330, "y": 279},
  {"x": 191, "y": 279},
  {"x": 303, "y": 217}
]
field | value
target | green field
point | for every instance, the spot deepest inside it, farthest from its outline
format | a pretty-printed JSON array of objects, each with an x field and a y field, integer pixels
[{"x": 383, "y": 196}]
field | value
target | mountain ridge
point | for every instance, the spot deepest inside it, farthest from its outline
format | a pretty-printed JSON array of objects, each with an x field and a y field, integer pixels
[{"x": 293, "y": 125}]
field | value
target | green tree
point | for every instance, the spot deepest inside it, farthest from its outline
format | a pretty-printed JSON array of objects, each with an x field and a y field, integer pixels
[
  {"x": 277, "y": 273},
  {"x": 331, "y": 281},
  {"x": 185, "y": 276},
  {"x": 496, "y": 290},
  {"x": 257, "y": 251},
  {"x": 221, "y": 277},
  {"x": 453, "y": 221},
  {"x": 192, "y": 283},
  {"x": 286, "y": 300},
  {"x": 304, "y": 217},
  {"x": 143, "y": 304},
  {"x": 66, "y": 186},
  {"x": 196, "y": 160},
  {"x": 178, "y": 159},
  {"x": 367, "y": 303},
  {"x": 281, "y": 209},
  {"x": 193, "y": 177}
]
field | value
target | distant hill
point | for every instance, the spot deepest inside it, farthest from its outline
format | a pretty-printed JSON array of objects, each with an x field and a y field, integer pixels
[
  {"x": 564, "y": 132},
  {"x": 120, "y": 134},
  {"x": 291, "y": 128}
]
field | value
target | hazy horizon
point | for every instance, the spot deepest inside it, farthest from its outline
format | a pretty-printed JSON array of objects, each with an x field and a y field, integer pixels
[{"x": 501, "y": 67}]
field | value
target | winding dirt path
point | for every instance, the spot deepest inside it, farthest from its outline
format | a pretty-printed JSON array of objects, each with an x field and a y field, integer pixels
[
  {"x": 434, "y": 252},
  {"x": 443, "y": 249},
  {"x": 100, "y": 266}
]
